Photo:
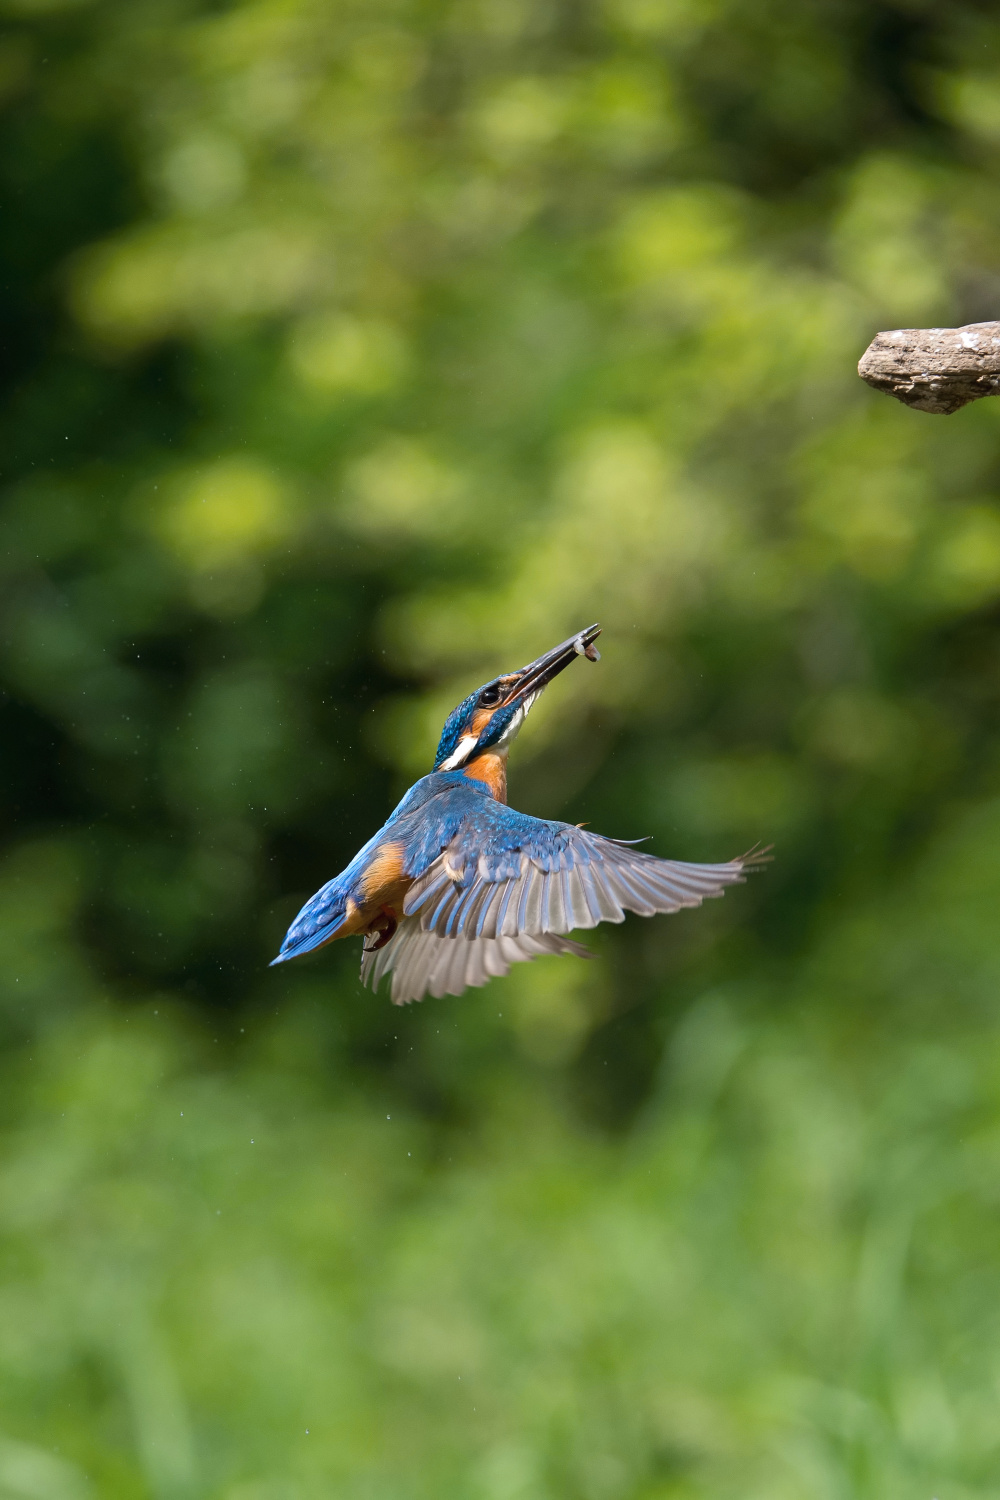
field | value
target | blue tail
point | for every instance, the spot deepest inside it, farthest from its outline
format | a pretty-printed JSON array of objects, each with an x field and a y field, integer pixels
[{"x": 317, "y": 923}]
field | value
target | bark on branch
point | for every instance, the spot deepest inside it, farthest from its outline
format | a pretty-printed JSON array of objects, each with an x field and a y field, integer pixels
[{"x": 935, "y": 369}]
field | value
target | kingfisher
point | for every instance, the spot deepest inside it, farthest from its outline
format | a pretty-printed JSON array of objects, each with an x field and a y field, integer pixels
[{"x": 458, "y": 886}]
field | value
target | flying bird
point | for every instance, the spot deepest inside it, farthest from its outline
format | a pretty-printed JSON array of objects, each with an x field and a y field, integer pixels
[{"x": 458, "y": 886}]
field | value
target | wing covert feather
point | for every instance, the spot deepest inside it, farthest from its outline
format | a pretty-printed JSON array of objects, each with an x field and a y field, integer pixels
[{"x": 566, "y": 878}]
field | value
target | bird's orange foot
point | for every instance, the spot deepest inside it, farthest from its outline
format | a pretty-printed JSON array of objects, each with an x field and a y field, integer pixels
[{"x": 382, "y": 929}]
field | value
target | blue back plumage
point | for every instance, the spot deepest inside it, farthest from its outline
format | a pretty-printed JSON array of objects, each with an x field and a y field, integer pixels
[
  {"x": 425, "y": 822},
  {"x": 496, "y": 832}
]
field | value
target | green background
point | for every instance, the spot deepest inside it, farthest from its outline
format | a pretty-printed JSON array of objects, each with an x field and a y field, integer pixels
[{"x": 356, "y": 350}]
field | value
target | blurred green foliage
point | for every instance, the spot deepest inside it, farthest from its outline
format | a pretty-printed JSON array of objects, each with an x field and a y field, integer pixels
[{"x": 354, "y": 352}]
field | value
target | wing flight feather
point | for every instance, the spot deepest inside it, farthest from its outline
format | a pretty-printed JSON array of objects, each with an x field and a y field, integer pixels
[{"x": 423, "y": 962}]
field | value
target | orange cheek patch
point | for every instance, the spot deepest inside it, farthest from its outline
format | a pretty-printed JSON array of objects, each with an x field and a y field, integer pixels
[{"x": 480, "y": 719}]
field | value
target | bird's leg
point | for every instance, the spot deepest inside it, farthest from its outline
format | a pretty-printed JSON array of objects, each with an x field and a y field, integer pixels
[{"x": 383, "y": 927}]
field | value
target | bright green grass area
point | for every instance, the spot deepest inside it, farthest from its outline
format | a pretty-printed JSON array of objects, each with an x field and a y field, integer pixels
[{"x": 250, "y": 1279}]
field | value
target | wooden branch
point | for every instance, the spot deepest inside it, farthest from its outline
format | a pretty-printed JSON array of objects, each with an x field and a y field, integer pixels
[{"x": 935, "y": 369}]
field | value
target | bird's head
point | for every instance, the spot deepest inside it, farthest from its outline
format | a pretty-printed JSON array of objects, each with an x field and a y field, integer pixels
[{"x": 489, "y": 718}]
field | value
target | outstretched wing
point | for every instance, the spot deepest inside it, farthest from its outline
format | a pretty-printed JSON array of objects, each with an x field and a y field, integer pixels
[
  {"x": 512, "y": 875},
  {"x": 422, "y": 962}
]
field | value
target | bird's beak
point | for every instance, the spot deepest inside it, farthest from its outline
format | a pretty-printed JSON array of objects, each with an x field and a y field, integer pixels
[{"x": 538, "y": 674}]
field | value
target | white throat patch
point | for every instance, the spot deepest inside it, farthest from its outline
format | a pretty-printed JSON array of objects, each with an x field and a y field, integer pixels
[{"x": 515, "y": 724}]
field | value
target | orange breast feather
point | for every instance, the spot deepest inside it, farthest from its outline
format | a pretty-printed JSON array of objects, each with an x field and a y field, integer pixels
[{"x": 383, "y": 884}]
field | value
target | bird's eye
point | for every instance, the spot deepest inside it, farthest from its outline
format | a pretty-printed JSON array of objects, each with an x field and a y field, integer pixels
[{"x": 489, "y": 697}]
